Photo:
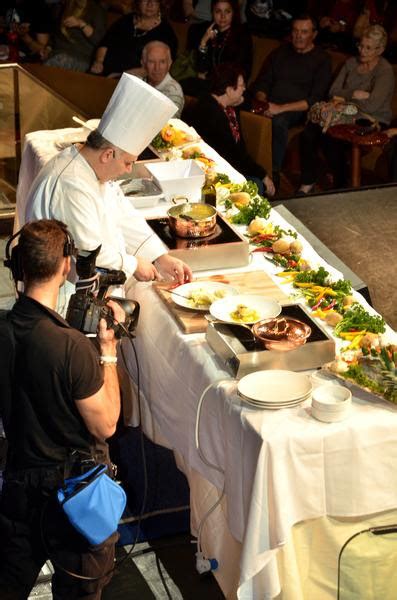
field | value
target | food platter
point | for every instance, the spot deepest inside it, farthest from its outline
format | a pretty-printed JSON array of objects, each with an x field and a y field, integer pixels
[
  {"x": 356, "y": 388},
  {"x": 259, "y": 307},
  {"x": 175, "y": 135},
  {"x": 197, "y": 292}
]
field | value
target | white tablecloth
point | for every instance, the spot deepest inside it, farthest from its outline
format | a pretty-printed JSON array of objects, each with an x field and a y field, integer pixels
[{"x": 281, "y": 467}]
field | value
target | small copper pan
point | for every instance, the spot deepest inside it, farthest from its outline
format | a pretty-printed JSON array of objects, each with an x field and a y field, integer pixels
[{"x": 192, "y": 219}]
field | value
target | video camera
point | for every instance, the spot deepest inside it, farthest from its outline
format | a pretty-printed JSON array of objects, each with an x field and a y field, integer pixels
[{"x": 88, "y": 304}]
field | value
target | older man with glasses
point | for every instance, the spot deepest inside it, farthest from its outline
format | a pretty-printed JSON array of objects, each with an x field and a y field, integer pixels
[{"x": 156, "y": 64}]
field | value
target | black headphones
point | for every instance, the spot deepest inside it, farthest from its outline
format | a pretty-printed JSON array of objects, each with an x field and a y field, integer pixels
[{"x": 13, "y": 257}]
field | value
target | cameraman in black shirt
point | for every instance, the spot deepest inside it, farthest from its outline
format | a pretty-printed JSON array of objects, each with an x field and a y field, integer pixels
[{"x": 60, "y": 401}]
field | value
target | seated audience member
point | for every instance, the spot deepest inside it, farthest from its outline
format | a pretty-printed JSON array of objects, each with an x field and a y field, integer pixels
[
  {"x": 156, "y": 62},
  {"x": 336, "y": 28},
  {"x": 197, "y": 11},
  {"x": 367, "y": 80},
  {"x": 121, "y": 48},
  {"x": 216, "y": 119},
  {"x": 372, "y": 13},
  {"x": 295, "y": 76},
  {"x": 225, "y": 40},
  {"x": 272, "y": 18},
  {"x": 81, "y": 26},
  {"x": 122, "y": 7},
  {"x": 30, "y": 22}
]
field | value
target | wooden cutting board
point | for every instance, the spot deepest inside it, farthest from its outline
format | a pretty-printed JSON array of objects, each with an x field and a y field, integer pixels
[{"x": 251, "y": 282}]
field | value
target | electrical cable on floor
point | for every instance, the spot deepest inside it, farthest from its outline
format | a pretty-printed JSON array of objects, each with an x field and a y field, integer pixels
[
  {"x": 204, "y": 564},
  {"x": 167, "y": 591},
  {"x": 146, "y": 485},
  {"x": 141, "y": 436}
]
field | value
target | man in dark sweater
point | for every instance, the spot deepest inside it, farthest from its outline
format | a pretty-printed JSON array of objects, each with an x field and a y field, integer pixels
[
  {"x": 294, "y": 77},
  {"x": 217, "y": 121}
]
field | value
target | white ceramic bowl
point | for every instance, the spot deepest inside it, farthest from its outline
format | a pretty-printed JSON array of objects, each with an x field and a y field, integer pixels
[
  {"x": 331, "y": 403},
  {"x": 321, "y": 377},
  {"x": 178, "y": 178}
]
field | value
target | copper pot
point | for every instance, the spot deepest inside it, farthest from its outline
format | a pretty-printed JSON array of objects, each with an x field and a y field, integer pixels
[
  {"x": 281, "y": 333},
  {"x": 192, "y": 220}
]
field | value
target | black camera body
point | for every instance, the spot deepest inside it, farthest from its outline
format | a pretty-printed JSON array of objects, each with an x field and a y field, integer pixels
[{"x": 86, "y": 308}]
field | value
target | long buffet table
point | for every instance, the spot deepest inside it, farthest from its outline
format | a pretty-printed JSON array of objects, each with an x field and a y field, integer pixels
[{"x": 295, "y": 488}]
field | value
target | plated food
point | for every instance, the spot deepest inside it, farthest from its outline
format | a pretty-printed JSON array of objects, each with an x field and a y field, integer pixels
[
  {"x": 173, "y": 135},
  {"x": 195, "y": 153},
  {"x": 245, "y": 308},
  {"x": 199, "y": 295}
]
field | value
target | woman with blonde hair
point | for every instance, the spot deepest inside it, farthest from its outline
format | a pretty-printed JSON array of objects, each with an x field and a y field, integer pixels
[
  {"x": 366, "y": 80},
  {"x": 81, "y": 26}
]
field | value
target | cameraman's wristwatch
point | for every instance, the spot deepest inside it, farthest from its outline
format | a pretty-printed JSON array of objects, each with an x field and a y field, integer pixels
[{"x": 108, "y": 360}]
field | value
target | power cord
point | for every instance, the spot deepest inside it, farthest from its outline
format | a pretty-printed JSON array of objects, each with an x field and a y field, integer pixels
[
  {"x": 204, "y": 564},
  {"x": 145, "y": 472}
]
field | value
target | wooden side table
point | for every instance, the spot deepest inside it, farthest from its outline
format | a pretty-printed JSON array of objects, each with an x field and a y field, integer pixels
[{"x": 350, "y": 133}]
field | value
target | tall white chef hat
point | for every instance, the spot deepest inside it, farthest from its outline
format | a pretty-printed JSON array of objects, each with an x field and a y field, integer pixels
[{"x": 135, "y": 114}]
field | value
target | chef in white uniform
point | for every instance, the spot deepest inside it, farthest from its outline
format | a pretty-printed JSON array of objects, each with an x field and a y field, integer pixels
[{"x": 77, "y": 187}]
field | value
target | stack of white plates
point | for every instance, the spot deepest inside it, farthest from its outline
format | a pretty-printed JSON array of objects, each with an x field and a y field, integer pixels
[{"x": 274, "y": 389}]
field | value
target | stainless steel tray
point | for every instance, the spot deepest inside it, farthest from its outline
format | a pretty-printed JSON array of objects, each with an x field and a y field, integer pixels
[
  {"x": 140, "y": 187},
  {"x": 144, "y": 192},
  {"x": 242, "y": 355}
]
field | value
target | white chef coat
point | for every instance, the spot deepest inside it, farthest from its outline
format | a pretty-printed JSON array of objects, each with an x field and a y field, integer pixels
[{"x": 96, "y": 213}]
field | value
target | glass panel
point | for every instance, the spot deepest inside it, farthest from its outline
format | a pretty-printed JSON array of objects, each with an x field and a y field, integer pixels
[
  {"x": 26, "y": 105},
  {"x": 48, "y": 111},
  {"x": 8, "y": 140},
  {"x": 368, "y": 567}
]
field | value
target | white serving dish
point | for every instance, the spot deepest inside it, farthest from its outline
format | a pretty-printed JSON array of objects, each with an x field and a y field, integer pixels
[
  {"x": 265, "y": 307},
  {"x": 331, "y": 403},
  {"x": 210, "y": 287},
  {"x": 178, "y": 178}
]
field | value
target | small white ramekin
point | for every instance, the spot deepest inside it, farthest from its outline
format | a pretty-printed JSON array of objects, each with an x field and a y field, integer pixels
[{"x": 331, "y": 403}]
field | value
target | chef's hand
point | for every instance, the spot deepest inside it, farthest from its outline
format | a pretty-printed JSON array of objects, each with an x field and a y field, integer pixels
[
  {"x": 146, "y": 271},
  {"x": 174, "y": 269}
]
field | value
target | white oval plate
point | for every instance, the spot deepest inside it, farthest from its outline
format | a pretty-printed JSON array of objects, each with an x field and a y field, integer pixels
[
  {"x": 211, "y": 287},
  {"x": 265, "y": 307},
  {"x": 274, "y": 404},
  {"x": 276, "y": 386}
]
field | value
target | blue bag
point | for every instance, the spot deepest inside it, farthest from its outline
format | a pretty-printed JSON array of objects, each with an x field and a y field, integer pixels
[{"x": 93, "y": 503}]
